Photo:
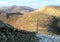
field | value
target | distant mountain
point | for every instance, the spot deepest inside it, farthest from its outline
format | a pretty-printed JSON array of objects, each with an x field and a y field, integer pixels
[{"x": 16, "y": 9}]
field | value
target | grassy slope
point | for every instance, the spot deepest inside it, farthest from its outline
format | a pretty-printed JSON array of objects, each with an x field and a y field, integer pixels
[
  {"x": 28, "y": 21},
  {"x": 50, "y": 10}
]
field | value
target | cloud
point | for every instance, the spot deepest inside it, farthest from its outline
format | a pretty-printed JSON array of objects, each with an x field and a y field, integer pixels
[
  {"x": 3, "y": 2},
  {"x": 31, "y": 0},
  {"x": 31, "y": 3},
  {"x": 25, "y": 0}
]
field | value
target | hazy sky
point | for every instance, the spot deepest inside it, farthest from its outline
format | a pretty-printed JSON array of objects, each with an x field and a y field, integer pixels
[{"x": 31, "y": 3}]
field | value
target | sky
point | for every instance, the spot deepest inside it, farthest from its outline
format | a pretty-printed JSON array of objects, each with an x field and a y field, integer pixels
[{"x": 31, "y": 3}]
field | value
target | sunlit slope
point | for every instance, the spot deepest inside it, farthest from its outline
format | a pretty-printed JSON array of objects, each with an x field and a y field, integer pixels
[
  {"x": 50, "y": 10},
  {"x": 23, "y": 22},
  {"x": 29, "y": 22}
]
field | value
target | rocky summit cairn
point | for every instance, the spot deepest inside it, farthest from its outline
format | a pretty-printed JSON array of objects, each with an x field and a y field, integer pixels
[{"x": 9, "y": 34}]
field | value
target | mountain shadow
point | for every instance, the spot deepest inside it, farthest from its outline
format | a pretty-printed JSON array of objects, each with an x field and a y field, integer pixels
[{"x": 55, "y": 26}]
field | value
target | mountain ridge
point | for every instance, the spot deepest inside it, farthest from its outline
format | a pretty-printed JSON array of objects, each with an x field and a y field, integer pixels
[{"x": 14, "y": 8}]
